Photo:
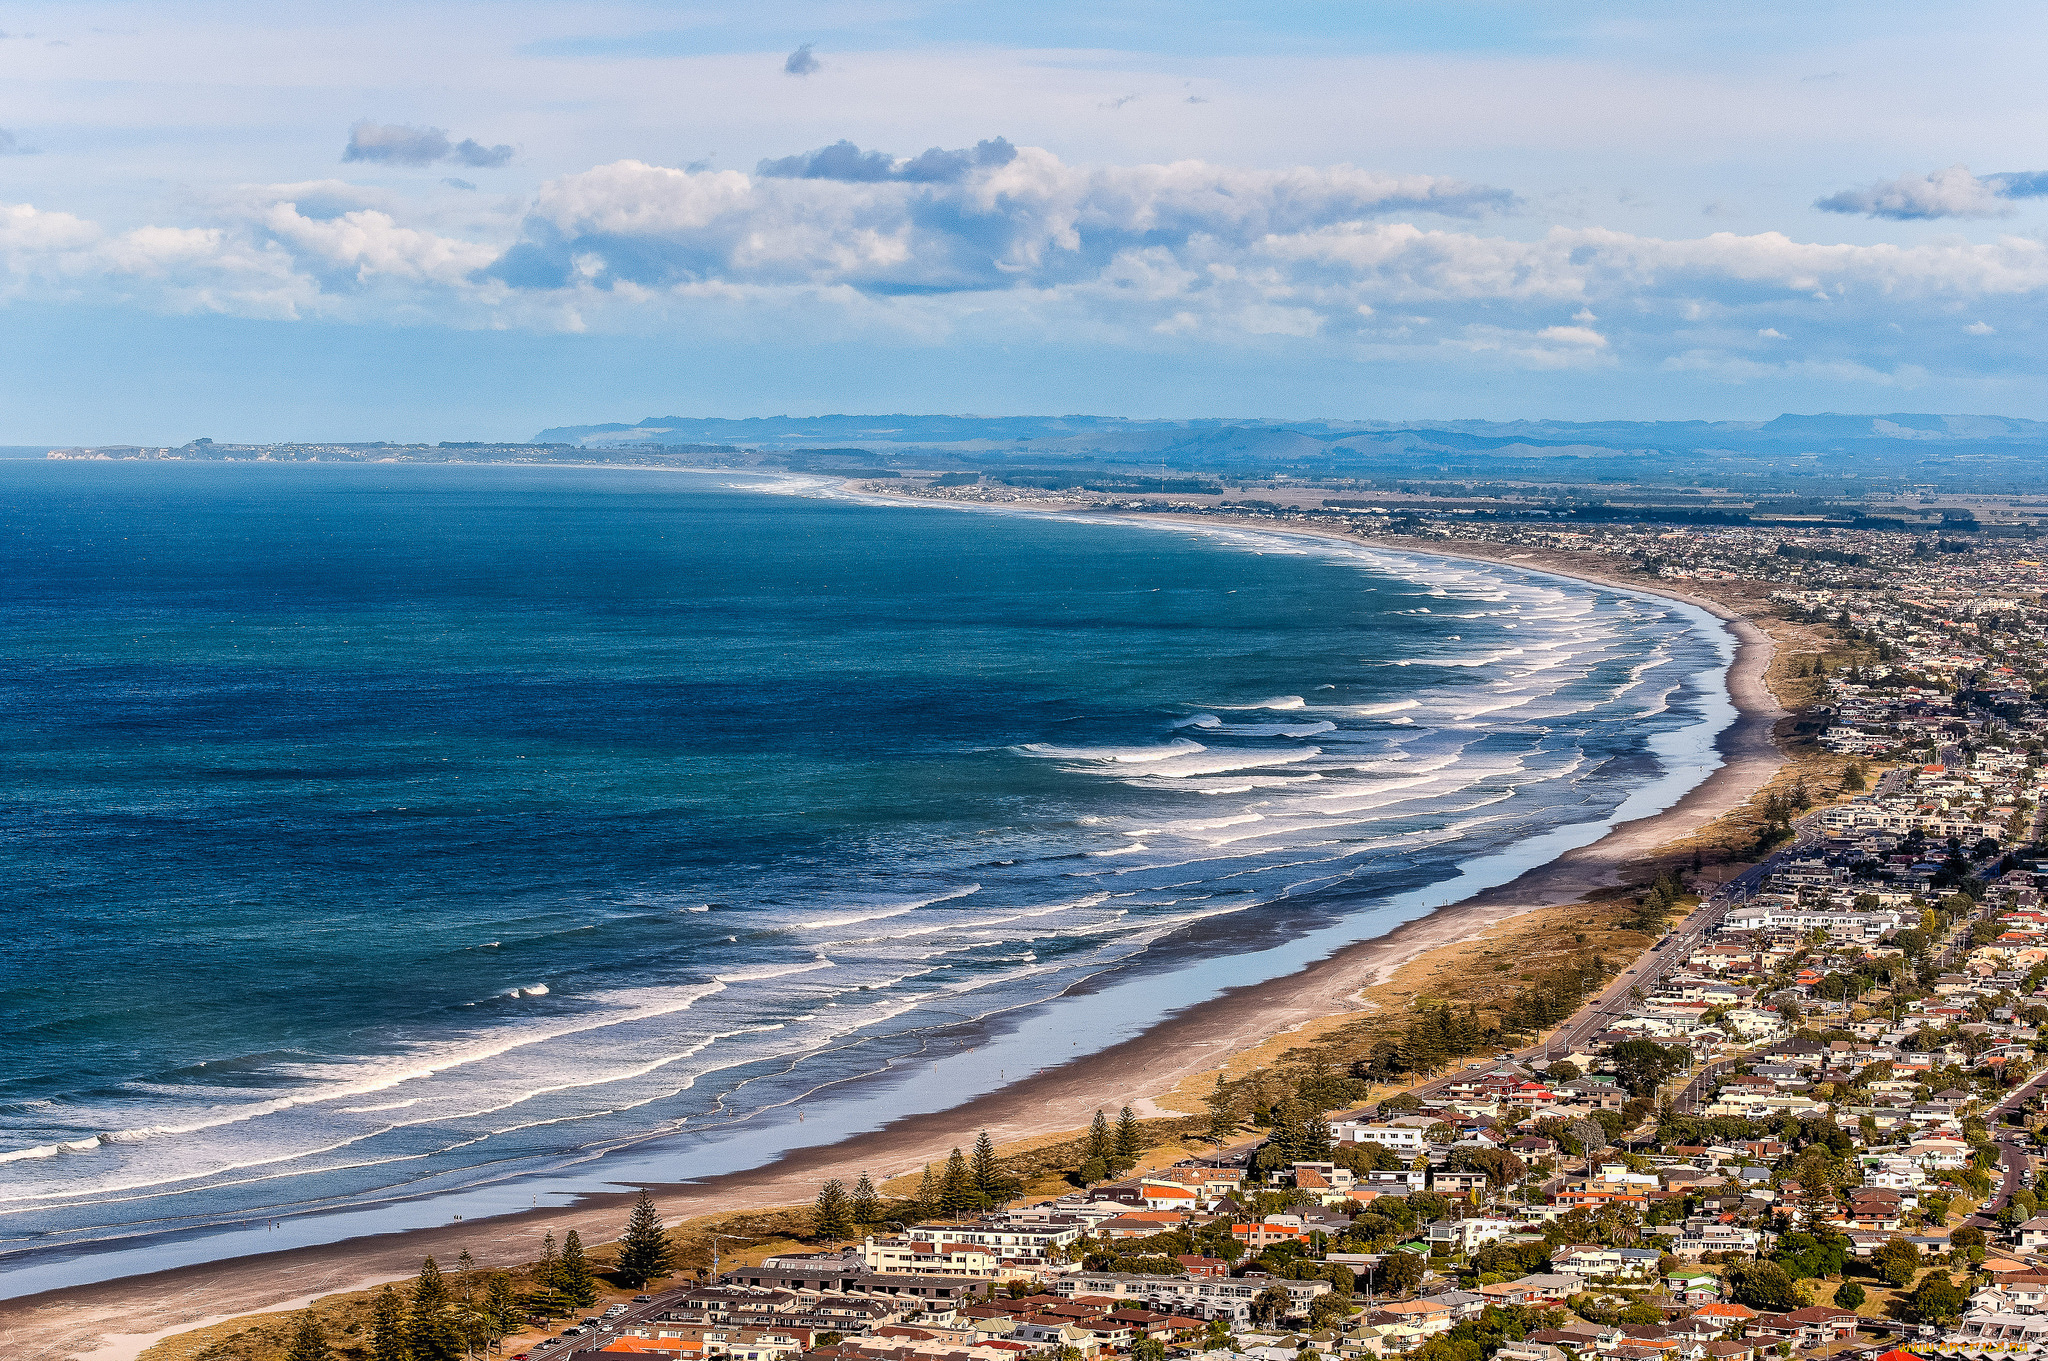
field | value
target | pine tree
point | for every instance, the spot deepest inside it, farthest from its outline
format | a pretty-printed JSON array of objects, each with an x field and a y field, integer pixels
[
  {"x": 1101, "y": 1143},
  {"x": 989, "y": 1181},
  {"x": 644, "y": 1252},
  {"x": 928, "y": 1204},
  {"x": 429, "y": 1333},
  {"x": 547, "y": 1275},
  {"x": 831, "y": 1213},
  {"x": 501, "y": 1302},
  {"x": 1314, "y": 1141},
  {"x": 574, "y": 1278},
  {"x": 309, "y": 1342},
  {"x": 867, "y": 1204},
  {"x": 1130, "y": 1140},
  {"x": 1224, "y": 1113},
  {"x": 956, "y": 1192},
  {"x": 387, "y": 1327}
]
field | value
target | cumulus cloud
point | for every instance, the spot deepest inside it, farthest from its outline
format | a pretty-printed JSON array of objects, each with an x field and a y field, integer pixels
[
  {"x": 400, "y": 144},
  {"x": 800, "y": 62},
  {"x": 846, "y": 162},
  {"x": 1009, "y": 244},
  {"x": 1953, "y": 192},
  {"x": 997, "y": 217}
]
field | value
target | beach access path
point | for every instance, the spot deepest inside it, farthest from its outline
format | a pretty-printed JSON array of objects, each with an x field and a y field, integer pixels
[{"x": 116, "y": 1320}]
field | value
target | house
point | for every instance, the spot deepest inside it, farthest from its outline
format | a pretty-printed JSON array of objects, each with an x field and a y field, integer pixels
[
  {"x": 1547, "y": 1287},
  {"x": 1726, "y": 1315},
  {"x": 1598, "y": 1262},
  {"x": 1426, "y": 1316},
  {"x": 1531, "y": 1350},
  {"x": 1693, "y": 1285},
  {"x": 1457, "y": 1183},
  {"x": 1405, "y": 1140},
  {"x": 1465, "y": 1235},
  {"x": 1273, "y": 1229},
  {"x": 2032, "y": 1235},
  {"x": 1813, "y": 1324}
]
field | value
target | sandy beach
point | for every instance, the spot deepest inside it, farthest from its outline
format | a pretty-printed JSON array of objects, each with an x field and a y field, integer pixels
[{"x": 118, "y": 1319}]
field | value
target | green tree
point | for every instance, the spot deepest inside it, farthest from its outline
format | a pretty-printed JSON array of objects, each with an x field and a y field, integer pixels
[
  {"x": 991, "y": 1184},
  {"x": 956, "y": 1191},
  {"x": 1148, "y": 1349},
  {"x": 429, "y": 1333},
  {"x": 927, "y": 1204},
  {"x": 831, "y": 1212},
  {"x": 1641, "y": 1066},
  {"x": 1225, "y": 1114},
  {"x": 1896, "y": 1261},
  {"x": 1764, "y": 1286},
  {"x": 1848, "y": 1295},
  {"x": 309, "y": 1340},
  {"x": 1270, "y": 1304},
  {"x": 644, "y": 1252},
  {"x": 547, "y": 1274},
  {"x": 574, "y": 1279},
  {"x": 1401, "y": 1272},
  {"x": 1101, "y": 1142},
  {"x": 1128, "y": 1140},
  {"x": 387, "y": 1326},
  {"x": 867, "y": 1205},
  {"x": 1937, "y": 1299},
  {"x": 501, "y": 1302}
]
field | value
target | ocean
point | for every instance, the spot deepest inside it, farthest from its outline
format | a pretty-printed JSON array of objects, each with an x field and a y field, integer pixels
[{"x": 387, "y": 838}]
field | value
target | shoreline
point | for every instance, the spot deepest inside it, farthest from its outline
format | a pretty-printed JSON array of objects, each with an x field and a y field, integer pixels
[{"x": 118, "y": 1318}]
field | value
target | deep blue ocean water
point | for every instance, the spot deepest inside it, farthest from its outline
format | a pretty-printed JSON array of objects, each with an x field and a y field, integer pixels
[{"x": 388, "y": 830}]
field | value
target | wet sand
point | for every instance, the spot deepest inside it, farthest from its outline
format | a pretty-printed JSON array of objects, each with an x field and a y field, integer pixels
[{"x": 115, "y": 1320}]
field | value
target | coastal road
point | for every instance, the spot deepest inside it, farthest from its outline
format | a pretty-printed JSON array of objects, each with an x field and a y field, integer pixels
[
  {"x": 1616, "y": 999},
  {"x": 2012, "y": 1157},
  {"x": 1661, "y": 958},
  {"x": 607, "y": 1330}
]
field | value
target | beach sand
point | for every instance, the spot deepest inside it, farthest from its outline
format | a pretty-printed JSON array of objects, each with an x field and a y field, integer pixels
[{"x": 118, "y": 1319}]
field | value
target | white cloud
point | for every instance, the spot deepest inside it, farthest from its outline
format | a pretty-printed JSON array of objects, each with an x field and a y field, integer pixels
[
  {"x": 1953, "y": 192},
  {"x": 1029, "y": 249}
]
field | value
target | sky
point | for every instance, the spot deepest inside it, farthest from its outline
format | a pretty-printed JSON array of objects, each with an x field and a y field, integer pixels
[{"x": 448, "y": 221}]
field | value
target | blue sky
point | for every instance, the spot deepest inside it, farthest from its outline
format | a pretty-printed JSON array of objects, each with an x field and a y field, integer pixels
[{"x": 470, "y": 221}]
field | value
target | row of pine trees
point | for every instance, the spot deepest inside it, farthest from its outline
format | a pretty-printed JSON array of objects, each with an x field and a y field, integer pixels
[
  {"x": 968, "y": 1183},
  {"x": 432, "y": 1321}
]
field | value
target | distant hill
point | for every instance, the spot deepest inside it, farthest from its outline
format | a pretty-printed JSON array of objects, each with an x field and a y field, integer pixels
[{"x": 1899, "y": 448}]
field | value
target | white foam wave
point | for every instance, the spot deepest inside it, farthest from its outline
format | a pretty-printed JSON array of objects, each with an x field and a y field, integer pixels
[
  {"x": 1180, "y": 746},
  {"x": 1279, "y": 729},
  {"x": 1272, "y": 702}
]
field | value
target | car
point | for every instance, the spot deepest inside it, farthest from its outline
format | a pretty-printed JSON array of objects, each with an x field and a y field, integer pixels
[
  {"x": 615, "y": 1311},
  {"x": 642, "y": 1299}
]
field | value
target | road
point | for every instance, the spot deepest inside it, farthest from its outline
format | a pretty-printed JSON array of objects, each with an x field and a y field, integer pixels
[
  {"x": 1616, "y": 1000},
  {"x": 607, "y": 1330},
  {"x": 2012, "y": 1158}
]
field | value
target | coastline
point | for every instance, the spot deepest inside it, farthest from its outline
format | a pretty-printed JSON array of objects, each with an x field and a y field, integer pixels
[{"x": 120, "y": 1317}]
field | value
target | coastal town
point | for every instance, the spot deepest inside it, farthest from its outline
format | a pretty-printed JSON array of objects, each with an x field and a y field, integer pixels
[{"x": 1803, "y": 1121}]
